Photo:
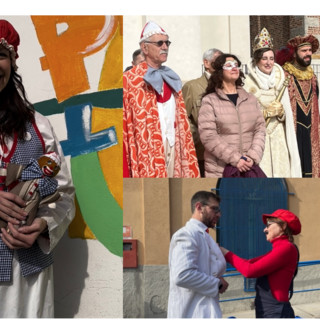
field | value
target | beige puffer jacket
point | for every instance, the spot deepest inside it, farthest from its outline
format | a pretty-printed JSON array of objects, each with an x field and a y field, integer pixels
[{"x": 229, "y": 132}]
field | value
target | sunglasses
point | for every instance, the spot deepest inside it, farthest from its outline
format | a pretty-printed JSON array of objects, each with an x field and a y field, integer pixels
[{"x": 160, "y": 43}]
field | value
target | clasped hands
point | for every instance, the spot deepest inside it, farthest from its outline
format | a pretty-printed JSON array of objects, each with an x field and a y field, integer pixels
[
  {"x": 11, "y": 210},
  {"x": 244, "y": 165}
]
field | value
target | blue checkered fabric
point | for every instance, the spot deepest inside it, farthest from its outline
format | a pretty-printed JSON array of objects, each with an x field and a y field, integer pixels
[
  {"x": 28, "y": 149},
  {"x": 6, "y": 256},
  {"x": 33, "y": 171},
  {"x": 31, "y": 260}
]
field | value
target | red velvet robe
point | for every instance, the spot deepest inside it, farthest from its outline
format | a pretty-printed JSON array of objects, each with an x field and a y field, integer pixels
[{"x": 313, "y": 107}]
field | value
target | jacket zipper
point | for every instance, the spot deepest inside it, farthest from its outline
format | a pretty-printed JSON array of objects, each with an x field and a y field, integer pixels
[{"x": 240, "y": 129}]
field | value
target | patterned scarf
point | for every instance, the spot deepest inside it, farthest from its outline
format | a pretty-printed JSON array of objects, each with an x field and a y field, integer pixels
[{"x": 33, "y": 171}]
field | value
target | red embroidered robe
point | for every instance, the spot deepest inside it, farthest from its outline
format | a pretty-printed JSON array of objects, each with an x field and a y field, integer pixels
[{"x": 142, "y": 133}]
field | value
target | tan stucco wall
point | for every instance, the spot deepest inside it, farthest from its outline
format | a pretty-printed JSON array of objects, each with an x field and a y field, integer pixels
[
  {"x": 156, "y": 208},
  {"x": 147, "y": 211},
  {"x": 305, "y": 203}
]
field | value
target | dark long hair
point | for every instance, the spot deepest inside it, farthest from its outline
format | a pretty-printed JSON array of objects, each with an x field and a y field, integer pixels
[
  {"x": 15, "y": 109},
  {"x": 216, "y": 79}
]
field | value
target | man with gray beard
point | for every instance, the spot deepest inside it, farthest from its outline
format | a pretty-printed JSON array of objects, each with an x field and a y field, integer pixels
[
  {"x": 304, "y": 93},
  {"x": 156, "y": 132}
]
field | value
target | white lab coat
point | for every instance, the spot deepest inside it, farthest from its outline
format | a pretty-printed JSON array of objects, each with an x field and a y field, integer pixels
[{"x": 195, "y": 263}]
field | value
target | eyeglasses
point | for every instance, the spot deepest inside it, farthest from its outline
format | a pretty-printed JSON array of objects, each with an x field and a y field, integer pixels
[
  {"x": 269, "y": 223},
  {"x": 160, "y": 43},
  {"x": 215, "y": 209}
]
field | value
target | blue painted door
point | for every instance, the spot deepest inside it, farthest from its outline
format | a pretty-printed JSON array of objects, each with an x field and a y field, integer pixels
[{"x": 243, "y": 201}]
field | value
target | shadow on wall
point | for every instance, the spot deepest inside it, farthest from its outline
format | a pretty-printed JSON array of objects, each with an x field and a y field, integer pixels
[{"x": 70, "y": 272}]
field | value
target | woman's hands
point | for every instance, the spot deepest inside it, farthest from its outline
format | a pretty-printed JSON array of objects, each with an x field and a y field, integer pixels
[
  {"x": 244, "y": 165},
  {"x": 11, "y": 208},
  {"x": 25, "y": 236},
  {"x": 274, "y": 109},
  {"x": 11, "y": 211}
]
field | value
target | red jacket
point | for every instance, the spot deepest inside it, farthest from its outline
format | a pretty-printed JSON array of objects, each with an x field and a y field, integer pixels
[{"x": 279, "y": 265}]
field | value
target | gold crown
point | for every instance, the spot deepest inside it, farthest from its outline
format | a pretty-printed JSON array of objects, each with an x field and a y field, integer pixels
[{"x": 262, "y": 40}]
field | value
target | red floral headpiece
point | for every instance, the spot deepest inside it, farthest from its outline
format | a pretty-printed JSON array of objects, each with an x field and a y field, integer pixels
[{"x": 9, "y": 38}]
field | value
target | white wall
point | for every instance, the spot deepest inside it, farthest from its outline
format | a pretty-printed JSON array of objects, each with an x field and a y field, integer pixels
[
  {"x": 88, "y": 278},
  {"x": 191, "y": 36}
]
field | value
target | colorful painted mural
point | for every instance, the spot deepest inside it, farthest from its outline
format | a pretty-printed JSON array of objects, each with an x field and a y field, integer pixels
[{"x": 75, "y": 49}]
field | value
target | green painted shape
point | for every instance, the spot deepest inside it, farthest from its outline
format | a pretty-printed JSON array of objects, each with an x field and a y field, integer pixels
[
  {"x": 101, "y": 99},
  {"x": 98, "y": 207}
]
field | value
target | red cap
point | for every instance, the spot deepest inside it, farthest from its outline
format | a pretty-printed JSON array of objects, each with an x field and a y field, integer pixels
[
  {"x": 10, "y": 39},
  {"x": 285, "y": 215},
  {"x": 299, "y": 41}
]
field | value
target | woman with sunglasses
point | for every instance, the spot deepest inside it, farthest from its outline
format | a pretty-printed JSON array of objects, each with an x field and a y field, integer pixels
[
  {"x": 265, "y": 81},
  {"x": 231, "y": 125},
  {"x": 26, "y": 270},
  {"x": 274, "y": 270}
]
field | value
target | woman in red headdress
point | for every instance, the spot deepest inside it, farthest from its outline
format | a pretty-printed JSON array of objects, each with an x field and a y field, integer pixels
[
  {"x": 26, "y": 272},
  {"x": 276, "y": 269}
]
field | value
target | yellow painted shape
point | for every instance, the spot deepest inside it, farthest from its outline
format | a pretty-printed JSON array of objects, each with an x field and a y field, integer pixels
[
  {"x": 64, "y": 52},
  {"x": 111, "y": 74},
  {"x": 110, "y": 158},
  {"x": 78, "y": 227}
]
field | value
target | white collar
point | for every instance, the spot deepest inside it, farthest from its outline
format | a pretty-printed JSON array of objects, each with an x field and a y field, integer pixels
[{"x": 267, "y": 81}]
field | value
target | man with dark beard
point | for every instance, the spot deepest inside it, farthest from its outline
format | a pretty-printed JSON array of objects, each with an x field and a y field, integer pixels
[
  {"x": 304, "y": 92},
  {"x": 196, "y": 263}
]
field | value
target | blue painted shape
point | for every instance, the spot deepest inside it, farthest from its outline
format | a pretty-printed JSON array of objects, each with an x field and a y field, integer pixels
[{"x": 80, "y": 140}]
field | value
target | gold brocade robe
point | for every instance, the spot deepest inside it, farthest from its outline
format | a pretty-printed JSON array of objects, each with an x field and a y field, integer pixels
[{"x": 302, "y": 89}]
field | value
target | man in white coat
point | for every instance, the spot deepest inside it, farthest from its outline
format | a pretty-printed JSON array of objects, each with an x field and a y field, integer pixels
[{"x": 196, "y": 263}]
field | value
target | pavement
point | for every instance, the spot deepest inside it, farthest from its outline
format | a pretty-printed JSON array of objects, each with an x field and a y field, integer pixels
[{"x": 308, "y": 310}]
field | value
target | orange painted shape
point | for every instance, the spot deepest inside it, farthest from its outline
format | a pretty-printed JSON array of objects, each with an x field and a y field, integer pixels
[
  {"x": 111, "y": 74},
  {"x": 66, "y": 41},
  {"x": 44, "y": 63},
  {"x": 110, "y": 158}
]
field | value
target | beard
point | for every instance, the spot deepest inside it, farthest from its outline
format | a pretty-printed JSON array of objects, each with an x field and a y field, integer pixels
[
  {"x": 302, "y": 62},
  {"x": 208, "y": 220}
]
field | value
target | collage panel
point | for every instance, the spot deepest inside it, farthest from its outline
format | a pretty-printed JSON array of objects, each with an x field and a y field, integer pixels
[
  {"x": 231, "y": 96},
  {"x": 221, "y": 97},
  {"x": 168, "y": 271},
  {"x": 61, "y": 103}
]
